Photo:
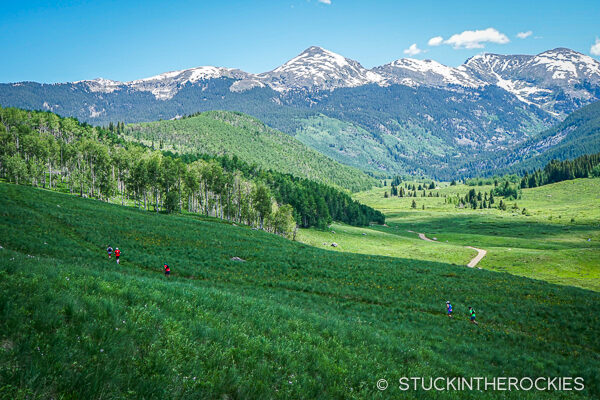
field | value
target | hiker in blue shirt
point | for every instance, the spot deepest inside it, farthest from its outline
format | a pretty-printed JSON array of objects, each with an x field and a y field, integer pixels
[{"x": 449, "y": 308}]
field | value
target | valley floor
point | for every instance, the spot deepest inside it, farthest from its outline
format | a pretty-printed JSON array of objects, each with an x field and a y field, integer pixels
[{"x": 557, "y": 241}]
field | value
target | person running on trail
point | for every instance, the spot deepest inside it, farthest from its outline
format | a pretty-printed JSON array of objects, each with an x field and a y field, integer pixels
[
  {"x": 449, "y": 308},
  {"x": 109, "y": 250},
  {"x": 167, "y": 270},
  {"x": 117, "y": 254},
  {"x": 472, "y": 315}
]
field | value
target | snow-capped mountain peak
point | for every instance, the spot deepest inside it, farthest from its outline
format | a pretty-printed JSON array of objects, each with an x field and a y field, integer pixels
[
  {"x": 314, "y": 55},
  {"x": 567, "y": 64},
  {"x": 190, "y": 75},
  {"x": 557, "y": 64},
  {"x": 318, "y": 68},
  {"x": 536, "y": 79},
  {"x": 164, "y": 86}
]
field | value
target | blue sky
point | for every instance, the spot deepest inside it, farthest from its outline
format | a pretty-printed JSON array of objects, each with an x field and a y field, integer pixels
[{"x": 124, "y": 40}]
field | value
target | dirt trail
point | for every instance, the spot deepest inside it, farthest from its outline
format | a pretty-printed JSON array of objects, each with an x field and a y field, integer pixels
[
  {"x": 480, "y": 252},
  {"x": 422, "y": 236}
]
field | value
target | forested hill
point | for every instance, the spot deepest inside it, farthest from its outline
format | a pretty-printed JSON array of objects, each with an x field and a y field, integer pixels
[
  {"x": 236, "y": 134},
  {"x": 42, "y": 149},
  {"x": 577, "y": 135}
]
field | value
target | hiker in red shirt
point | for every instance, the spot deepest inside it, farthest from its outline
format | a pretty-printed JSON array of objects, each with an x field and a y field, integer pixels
[
  {"x": 117, "y": 254},
  {"x": 167, "y": 270}
]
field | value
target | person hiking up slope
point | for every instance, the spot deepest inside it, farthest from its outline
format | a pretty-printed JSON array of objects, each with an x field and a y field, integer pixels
[
  {"x": 472, "y": 315},
  {"x": 449, "y": 309},
  {"x": 109, "y": 250},
  {"x": 167, "y": 270},
  {"x": 117, "y": 254}
]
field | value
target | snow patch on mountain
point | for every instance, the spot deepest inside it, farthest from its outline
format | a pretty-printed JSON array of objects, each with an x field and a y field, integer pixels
[
  {"x": 101, "y": 85},
  {"x": 426, "y": 72},
  {"x": 246, "y": 84},
  {"x": 95, "y": 112}
]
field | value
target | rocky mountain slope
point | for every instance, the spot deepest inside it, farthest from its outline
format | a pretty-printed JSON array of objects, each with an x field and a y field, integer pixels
[{"x": 559, "y": 80}]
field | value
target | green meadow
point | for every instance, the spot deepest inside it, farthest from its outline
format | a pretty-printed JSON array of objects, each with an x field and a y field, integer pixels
[
  {"x": 291, "y": 321},
  {"x": 556, "y": 240}
]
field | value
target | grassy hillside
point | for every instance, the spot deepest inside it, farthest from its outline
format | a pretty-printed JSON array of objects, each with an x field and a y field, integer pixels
[
  {"x": 290, "y": 322},
  {"x": 549, "y": 242},
  {"x": 222, "y": 132}
]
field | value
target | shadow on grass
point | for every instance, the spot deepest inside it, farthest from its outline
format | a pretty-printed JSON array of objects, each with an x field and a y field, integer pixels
[{"x": 524, "y": 234}]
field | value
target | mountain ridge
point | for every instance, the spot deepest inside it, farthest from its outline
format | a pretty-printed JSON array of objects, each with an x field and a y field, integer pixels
[{"x": 533, "y": 79}]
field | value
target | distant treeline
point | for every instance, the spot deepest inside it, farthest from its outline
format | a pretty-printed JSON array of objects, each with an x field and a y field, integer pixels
[
  {"x": 557, "y": 171},
  {"x": 509, "y": 186},
  {"x": 43, "y": 149}
]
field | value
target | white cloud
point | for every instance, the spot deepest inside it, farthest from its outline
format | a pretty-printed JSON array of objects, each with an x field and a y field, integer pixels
[
  {"x": 595, "y": 49},
  {"x": 476, "y": 39},
  {"x": 435, "y": 41},
  {"x": 524, "y": 35},
  {"x": 324, "y": 1},
  {"x": 413, "y": 50}
]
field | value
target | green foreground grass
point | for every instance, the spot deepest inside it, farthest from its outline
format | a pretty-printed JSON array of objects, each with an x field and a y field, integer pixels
[
  {"x": 290, "y": 322},
  {"x": 550, "y": 243}
]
